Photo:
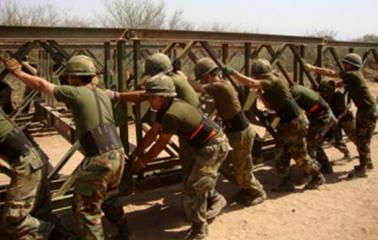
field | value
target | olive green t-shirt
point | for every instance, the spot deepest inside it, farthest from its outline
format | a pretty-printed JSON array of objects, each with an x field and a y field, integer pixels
[
  {"x": 305, "y": 97},
  {"x": 358, "y": 89},
  {"x": 5, "y": 127},
  {"x": 338, "y": 103},
  {"x": 185, "y": 91},
  {"x": 180, "y": 118},
  {"x": 277, "y": 94},
  {"x": 225, "y": 97},
  {"x": 83, "y": 104}
]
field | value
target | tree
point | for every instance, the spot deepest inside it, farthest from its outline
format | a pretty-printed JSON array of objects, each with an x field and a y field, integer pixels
[
  {"x": 368, "y": 38},
  {"x": 140, "y": 14},
  {"x": 22, "y": 13},
  {"x": 328, "y": 34}
]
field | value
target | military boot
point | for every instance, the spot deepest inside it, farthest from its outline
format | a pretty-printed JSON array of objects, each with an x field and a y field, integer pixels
[
  {"x": 358, "y": 172},
  {"x": 124, "y": 232},
  {"x": 369, "y": 165},
  {"x": 316, "y": 180},
  {"x": 285, "y": 185},
  {"x": 60, "y": 232},
  {"x": 216, "y": 203},
  {"x": 327, "y": 168},
  {"x": 254, "y": 199},
  {"x": 198, "y": 231}
]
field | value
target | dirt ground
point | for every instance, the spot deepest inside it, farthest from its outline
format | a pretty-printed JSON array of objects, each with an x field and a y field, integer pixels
[{"x": 341, "y": 209}]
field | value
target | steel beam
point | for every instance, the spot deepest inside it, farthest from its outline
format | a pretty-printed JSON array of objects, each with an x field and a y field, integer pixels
[
  {"x": 179, "y": 35},
  {"x": 319, "y": 60},
  {"x": 301, "y": 62},
  {"x": 106, "y": 74}
]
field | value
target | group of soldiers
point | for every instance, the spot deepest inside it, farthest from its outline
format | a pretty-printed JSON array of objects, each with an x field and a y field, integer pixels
[{"x": 206, "y": 148}]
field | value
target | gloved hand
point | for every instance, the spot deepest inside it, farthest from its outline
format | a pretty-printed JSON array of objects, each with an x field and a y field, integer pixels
[
  {"x": 13, "y": 65},
  {"x": 137, "y": 166},
  {"x": 228, "y": 70},
  {"x": 309, "y": 67}
]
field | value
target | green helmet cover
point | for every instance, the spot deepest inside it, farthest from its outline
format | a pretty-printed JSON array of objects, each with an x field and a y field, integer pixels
[{"x": 160, "y": 85}]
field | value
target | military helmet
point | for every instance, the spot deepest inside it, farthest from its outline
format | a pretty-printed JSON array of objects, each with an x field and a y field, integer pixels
[
  {"x": 160, "y": 85},
  {"x": 157, "y": 63},
  {"x": 353, "y": 58},
  {"x": 327, "y": 86},
  {"x": 203, "y": 67},
  {"x": 80, "y": 65},
  {"x": 261, "y": 68}
]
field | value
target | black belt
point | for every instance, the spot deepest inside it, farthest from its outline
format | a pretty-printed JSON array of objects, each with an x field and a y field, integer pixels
[
  {"x": 15, "y": 144},
  {"x": 237, "y": 123},
  {"x": 205, "y": 131},
  {"x": 102, "y": 139}
]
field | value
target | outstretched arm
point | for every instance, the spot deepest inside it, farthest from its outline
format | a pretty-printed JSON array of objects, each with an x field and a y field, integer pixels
[
  {"x": 326, "y": 72},
  {"x": 322, "y": 71},
  {"x": 34, "y": 82},
  {"x": 133, "y": 96},
  {"x": 246, "y": 81}
]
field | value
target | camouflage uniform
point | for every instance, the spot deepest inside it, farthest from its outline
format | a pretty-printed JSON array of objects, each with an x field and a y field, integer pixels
[
  {"x": 292, "y": 129},
  {"x": 206, "y": 143},
  {"x": 366, "y": 121},
  {"x": 100, "y": 172},
  {"x": 160, "y": 63},
  {"x": 95, "y": 189},
  {"x": 367, "y": 112},
  {"x": 26, "y": 199},
  {"x": 200, "y": 170},
  {"x": 321, "y": 120},
  {"x": 238, "y": 167},
  {"x": 292, "y": 143},
  {"x": 204, "y": 172},
  {"x": 338, "y": 103}
]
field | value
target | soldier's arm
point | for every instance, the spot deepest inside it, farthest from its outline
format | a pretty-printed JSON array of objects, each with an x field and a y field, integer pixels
[
  {"x": 154, "y": 151},
  {"x": 34, "y": 82},
  {"x": 247, "y": 81},
  {"x": 133, "y": 96},
  {"x": 322, "y": 71},
  {"x": 148, "y": 139}
]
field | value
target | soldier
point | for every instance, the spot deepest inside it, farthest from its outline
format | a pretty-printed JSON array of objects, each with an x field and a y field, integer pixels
[
  {"x": 321, "y": 120},
  {"x": 25, "y": 191},
  {"x": 208, "y": 146},
  {"x": 344, "y": 116},
  {"x": 367, "y": 112},
  {"x": 238, "y": 167},
  {"x": 292, "y": 128},
  {"x": 102, "y": 168},
  {"x": 6, "y": 97}
]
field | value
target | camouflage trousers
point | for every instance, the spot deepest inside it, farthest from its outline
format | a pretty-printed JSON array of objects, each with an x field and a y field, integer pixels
[
  {"x": 238, "y": 166},
  {"x": 96, "y": 187},
  {"x": 316, "y": 134},
  {"x": 27, "y": 198},
  {"x": 366, "y": 121},
  {"x": 292, "y": 144},
  {"x": 335, "y": 135},
  {"x": 203, "y": 172}
]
